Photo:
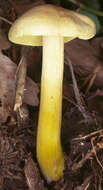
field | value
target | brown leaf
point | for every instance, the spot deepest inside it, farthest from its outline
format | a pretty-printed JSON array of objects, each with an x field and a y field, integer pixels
[
  {"x": 31, "y": 92},
  {"x": 8, "y": 87},
  {"x": 24, "y": 5},
  {"x": 97, "y": 44},
  {"x": 32, "y": 175},
  {"x": 85, "y": 59},
  {"x": 4, "y": 43}
]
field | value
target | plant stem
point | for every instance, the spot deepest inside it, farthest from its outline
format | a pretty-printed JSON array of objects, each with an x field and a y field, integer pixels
[{"x": 49, "y": 151}]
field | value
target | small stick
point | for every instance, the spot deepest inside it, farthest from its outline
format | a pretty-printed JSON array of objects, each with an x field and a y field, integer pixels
[
  {"x": 91, "y": 82},
  {"x": 98, "y": 161},
  {"x": 92, "y": 152},
  {"x": 79, "y": 164},
  {"x": 88, "y": 135},
  {"x": 6, "y": 20},
  {"x": 80, "y": 106}
]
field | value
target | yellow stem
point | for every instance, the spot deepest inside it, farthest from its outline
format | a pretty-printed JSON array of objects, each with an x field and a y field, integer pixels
[{"x": 49, "y": 151}]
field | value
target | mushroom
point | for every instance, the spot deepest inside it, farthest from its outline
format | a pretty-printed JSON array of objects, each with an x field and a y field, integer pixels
[{"x": 51, "y": 26}]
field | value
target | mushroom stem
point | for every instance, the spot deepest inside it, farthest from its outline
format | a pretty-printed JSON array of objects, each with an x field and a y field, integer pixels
[{"x": 49, "y": 151}]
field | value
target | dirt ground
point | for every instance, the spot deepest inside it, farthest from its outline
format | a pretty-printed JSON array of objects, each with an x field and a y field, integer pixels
[{"x": 82, "y": 131}]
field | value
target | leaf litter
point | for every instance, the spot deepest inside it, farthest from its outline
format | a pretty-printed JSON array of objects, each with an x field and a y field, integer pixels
[{"x": 82, "y": 141}]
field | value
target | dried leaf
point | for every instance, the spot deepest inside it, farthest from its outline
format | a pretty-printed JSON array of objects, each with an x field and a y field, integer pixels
[
  {"x": 4, "y": 43},
  {"x": 32, "y": 175},
  {"x": 24, "y": 5},
  {"x": 85, "y": 59},
  {"x": 8, "y": 86},
  {"x": 97, "y": 44}
]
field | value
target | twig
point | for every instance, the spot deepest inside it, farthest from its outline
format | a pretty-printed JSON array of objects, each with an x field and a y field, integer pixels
[
  {"x": 98, "y": 161},
  {"x": 89, "y": 154},
  {"x": 86, "y": 183},
  {"x": 89, "y": 135},
  {"x": 80, "y": 106},
  {"x": 92, "y": 79},
  {"x": 79, "y": 164},
  {"x": 6, "y": 20}
]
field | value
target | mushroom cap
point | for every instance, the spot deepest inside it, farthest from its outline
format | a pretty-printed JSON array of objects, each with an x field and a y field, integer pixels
[{"x": 46, "y": 20}]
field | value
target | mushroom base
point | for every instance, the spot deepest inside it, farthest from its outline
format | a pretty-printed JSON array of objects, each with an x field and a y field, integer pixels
[{"x": 49, "y": 151}]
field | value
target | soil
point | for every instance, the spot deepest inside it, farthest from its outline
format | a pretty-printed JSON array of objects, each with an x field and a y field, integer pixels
[{"x": 81, "y": 137}]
